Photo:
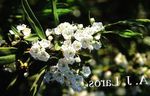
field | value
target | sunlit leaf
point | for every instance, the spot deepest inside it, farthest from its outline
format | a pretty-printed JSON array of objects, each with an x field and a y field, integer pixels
[
  {"x": 32, "y": 37},
  {"x": 7, "y": 59},
  {"x": 59, "y": 11},
  {"x": 33, "y": 20},
  {"x": 129, "y": 34},
  {"x": 7, "y": 50}
]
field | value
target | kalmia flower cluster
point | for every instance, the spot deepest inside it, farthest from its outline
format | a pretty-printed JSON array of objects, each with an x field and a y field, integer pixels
[{"x": 74, "y": 38}]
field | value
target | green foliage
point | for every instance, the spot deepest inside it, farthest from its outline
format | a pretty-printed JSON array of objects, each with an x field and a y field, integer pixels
[
  {"x": 60, "y": 11},
  {"x": 7, "y": 50},
  {"x": 32, "y": 19},
  {"x": 37, "y": 83},
  {"x": 54, "y": 11},
  {"x": 7, "y": 59},
  {"x": 32, "y": 37}
]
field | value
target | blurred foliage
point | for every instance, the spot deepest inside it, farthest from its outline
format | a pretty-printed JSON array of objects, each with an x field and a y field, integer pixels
[{"x": 127, "y": 28}]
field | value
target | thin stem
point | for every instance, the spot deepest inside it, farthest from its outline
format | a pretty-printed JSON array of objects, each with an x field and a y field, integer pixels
[{"x": 54, "y": 11}]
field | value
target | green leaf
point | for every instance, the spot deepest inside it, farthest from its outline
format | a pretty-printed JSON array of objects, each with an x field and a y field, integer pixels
[
  {"x": 57, "y": 47},
  {"x": 37, "y": 83},
  {"x": 12, "y": 82},
  {"x": 129, "y": 33},
  {"x": 54, "y": 11},
  {"x": 60, "y": 11},
  {"x": 143, "y": 20},
  {"x": 7, "y": 50},
  {"x": 125, "y": 33},
  {"x": 32, "y": 37},
  {"x": 7, "y": 59},
  {"x": 15, "y": 31},
  {"x": 33, "y": 20}
]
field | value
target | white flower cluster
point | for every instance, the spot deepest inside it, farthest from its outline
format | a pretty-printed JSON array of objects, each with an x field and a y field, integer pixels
[
  {"x": 38, "y": 50},
  {"x": 63, "y": 74},
  {"x": 75, "y": 38}
]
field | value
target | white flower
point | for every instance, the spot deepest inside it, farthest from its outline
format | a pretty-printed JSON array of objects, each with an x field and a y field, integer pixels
[
  {"x": 97, "y": 26},
  {"x": 63, "y": 65},
  {"x": 140, "y": 58},
  {"x": 78, "y": 35},
  {"x": 80, "y": 26},
  {"x": 86, "y": 41},
  {"x": 97, "y": 45},
  {"x": 58, "y": 77},
  {"x": 26, "y": 31},
  {"x": 11, "y": 32},
  {"x": 21, "y": 27},
  {"x": 45, "y": 43},
  {"x": 121, "y": 59},
  {"x": 48, "y": 77},
  {"x": 70, "y": 60},
  {"x": 37, "y": 51},
  {"x": 92, "y": 20},
  {"x": 49, "y": 32},
  {"x": 69, "y": 75},
  {"x": 77, "y": 45},
  {"x": 97, "y": 37},
  {"x": 77, "y": 82},
  {"x": 86, "y": 71},
  {"x": 65, "y": 29},
  {"x": 69, "y": 52},
  {"x": 43, "y": 55},
  {"x": 50, "y": 38},
  {"x": 77, "y": 59}
]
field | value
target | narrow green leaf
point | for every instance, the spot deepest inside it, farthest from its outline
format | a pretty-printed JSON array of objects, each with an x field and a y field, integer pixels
[
  {"x": 125, "y": 33},
  {"x": 7, "y": 59},
  {"x": 37, "y": 83},
  {"x": 54, "y": 11},
  {"x": 143, "y": 20},
  {"x": 15, "y": 31},
  {"x": 32, "y": 37},
  {"x": 7, "y": 50},
  {"x": 33, "y": 20},
  {"x": 129, "y": 34},
  {"x": 12, "y": 82},
  {"x": 60, "y": 11}
]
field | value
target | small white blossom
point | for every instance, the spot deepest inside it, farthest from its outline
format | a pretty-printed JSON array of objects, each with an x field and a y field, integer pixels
[
  {"x": 58, "y": 77},
  {"x": 92, "y": 20},
  {"x": 121, "y": 59},
  {"x": 76, "y": 45},
  {"x": 26, "y": 31},
  {"x": 77, "y": 59},
  {"x": 97, "y": 45},
  {"x": 97, "y": 37},
  {"x": 49, "y": 32},
  {"x": 50, "y": 38},
  {"x": 21, "y": 27},
  {"x": 62, "y": 65},
  {"x": 97, "y": 26},
  {"x": 80, "y": 26},
  {"x": 86, "y": 71},
  {"x": 45, "y": 43},
  {"x": 43, "y": 55}
]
